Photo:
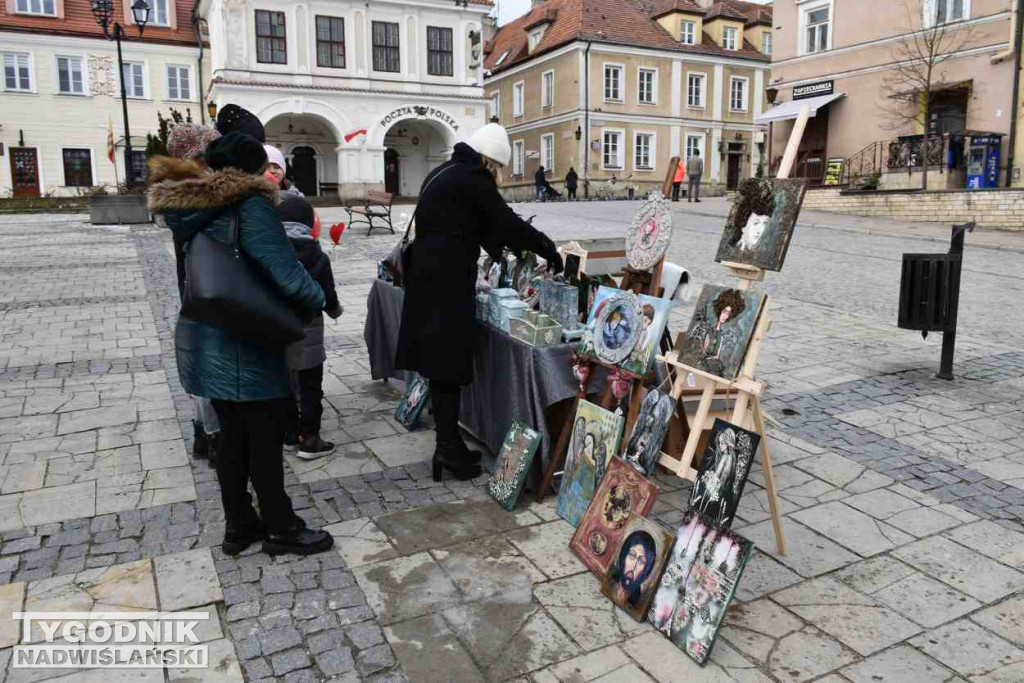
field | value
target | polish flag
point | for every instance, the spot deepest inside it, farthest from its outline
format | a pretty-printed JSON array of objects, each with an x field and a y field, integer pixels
[{"x": 354, "y": 134}]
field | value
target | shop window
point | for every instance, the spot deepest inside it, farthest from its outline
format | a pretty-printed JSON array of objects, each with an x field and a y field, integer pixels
[{"x": 77, "y": 168}]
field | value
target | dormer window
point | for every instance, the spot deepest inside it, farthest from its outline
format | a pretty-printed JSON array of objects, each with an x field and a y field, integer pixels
[
  {"x": 729, "y": 38},
  {"x": 536, "y": 35},
  {"x": 687, "y": 32}
]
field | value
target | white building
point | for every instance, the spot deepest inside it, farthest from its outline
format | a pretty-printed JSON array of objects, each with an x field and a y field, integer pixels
[{"x": 356, "y": 94}]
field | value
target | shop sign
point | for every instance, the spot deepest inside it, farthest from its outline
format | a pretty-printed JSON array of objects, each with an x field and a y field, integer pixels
[
  {"x": 833, "y": 170},
  {"x": 422, "y": 112},
  {"x": 802, "y": 92}
]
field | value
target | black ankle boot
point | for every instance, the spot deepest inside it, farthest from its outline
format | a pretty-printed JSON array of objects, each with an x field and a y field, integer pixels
[
  {"x": 448, "y": 457},
  {"x": 213, "y": 448},
  {"x": 298, "y": 540},
  {"x": 237, "y": 539},
  {"x": 200, "y": 449}
]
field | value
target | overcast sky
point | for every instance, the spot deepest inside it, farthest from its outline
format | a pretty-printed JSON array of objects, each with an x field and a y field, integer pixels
[{"x": 511, "y": 9}]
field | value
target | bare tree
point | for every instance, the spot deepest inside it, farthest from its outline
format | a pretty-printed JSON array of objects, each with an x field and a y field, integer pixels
[{"x": 919, "y": 66}]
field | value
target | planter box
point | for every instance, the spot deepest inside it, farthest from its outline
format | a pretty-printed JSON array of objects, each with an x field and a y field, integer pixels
[{"x": 116, "y": 209}]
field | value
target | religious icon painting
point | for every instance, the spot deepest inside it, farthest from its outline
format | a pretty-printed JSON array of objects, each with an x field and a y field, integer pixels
[
  {"x": 614, "y": 326},
  {"x": 649, "y": 233},
  {"x": 698, "y": 584},
  {"x": 761, "y": 222},
  {"x": 720, "y": 330},
  {"x": 411, "y": 405},
  {"x": 636, "y": 565},
  {"x": 622, "y": 491},
  {"x": 723, "y": 472},
  {"x": 653, "y": 319},
  {"x": 595, "y": 439},
  {"x": 514, "y": 461},
  {"x": 644, "y": 446}
]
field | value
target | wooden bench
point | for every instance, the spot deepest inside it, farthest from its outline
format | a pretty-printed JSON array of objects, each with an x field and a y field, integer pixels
[{"x": 376, "y": 205}]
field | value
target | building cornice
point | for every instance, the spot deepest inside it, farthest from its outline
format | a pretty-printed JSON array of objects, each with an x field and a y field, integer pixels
[
  {"x": 13, "y": 35},
  {"x": 372, "y": 92},
  {"x": 648, "y": 119}
]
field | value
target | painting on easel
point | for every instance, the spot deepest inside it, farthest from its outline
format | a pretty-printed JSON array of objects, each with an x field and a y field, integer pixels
[
  {"x": 594, "y": 440},
  {"x": 761, "y": 222},
  {"x": 723, "y": 472},
  {"x": 644, "y": 446},
  {"x": 624, "y": 329},
  {"x": 723, "y": 323}
]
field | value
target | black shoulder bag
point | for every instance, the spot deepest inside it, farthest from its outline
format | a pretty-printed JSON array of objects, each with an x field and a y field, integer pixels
[{"x": 398, "y": 260}]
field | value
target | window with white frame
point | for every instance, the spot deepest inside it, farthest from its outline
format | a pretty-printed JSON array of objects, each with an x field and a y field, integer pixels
[
  {"x": 946, "y": 11},
  {"x": 612, "y": 83},
  {"x": 46, "y": 8},
  {"x": 517, "y": 98},
  {"x": 179, "y": 86},
  {"x": 695, "y": 91},
  {"x": 135, "y": 79},
  {"x": 518, "y": 158},
  {"x": 547, "y": 88},
  {"x": 643, "y": 151},
  {"x": 17, "y": 72},
  {"x": 694, "y": 145},
  {"x": 687, "y": 32},
  {"x": 729, "y": 38},
  {"x": 70, "y": 76},
  {"x": 766, "y": 42},
  {"x": 534, "y": 38},
  {"x": 737, "y": 93},
  {"x": 647, "y": 86},
  {"x": 817, "y": 23},
  {"x": 495, "y": 105},
  {"x": 159, "y": 13},
  {"x": 547, "y": 152},
  {"x": 612, "y": 149}
]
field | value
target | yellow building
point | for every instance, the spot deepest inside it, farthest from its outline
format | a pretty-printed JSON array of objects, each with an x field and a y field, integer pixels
[{"x": 618, "y": 87}]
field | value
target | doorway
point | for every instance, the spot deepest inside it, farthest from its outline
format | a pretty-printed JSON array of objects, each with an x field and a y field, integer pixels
[
  {"x": 303, "y": 170},
  {"x": 391, "y": 179},
  {"x": 732, "y": 176},
  {"x": 24, "y": 172}
]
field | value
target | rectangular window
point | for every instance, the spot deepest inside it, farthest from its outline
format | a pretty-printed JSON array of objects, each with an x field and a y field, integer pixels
[
  {"x": 517, "y": 98},
  {"x": 547, "y": 152},
  {"x": 495, "y": 107},
  {"x": 947, "y": 11},
  {"x": 440, "y": 61},
  {"x": 271, "y": 38},
  {"x": 816, "y": 31},
  {"x": 694, "y": 145},
  {"x": 612, "y": 83},
  {"x": 158, "y": 13},
  {"x": 17, "y": 75},
  {"x": 688, "y": 33},
  {"x": 77, "y": 168},
  {"x": 518, "y": 158},
  {"x": 547, "y": 88},
  {"x": 135, "y": 79},
  {"x": 46, "y": 8},
  {"x": 737, "y": 94},
  {"x": 330, "y": 42},
  {"x": 179, "y": 86},
  {"x": 611, "y": 153},
  {"x": 643, "y": 146},
  {"x": 647, "y": 86},
  {"x": 70, "y": 79},
  {"x": 729, "y": 38},
  {"x": 139, "y": 167},
  {"x": 766, "y": 42},
  {"x": 695, "y": 90},
  {"x": 386, "y": 53}
]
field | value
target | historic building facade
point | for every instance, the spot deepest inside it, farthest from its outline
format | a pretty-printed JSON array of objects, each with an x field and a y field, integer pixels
[
  {"x": 612, "y": 88},
  {"x": 357, "y": 94}
]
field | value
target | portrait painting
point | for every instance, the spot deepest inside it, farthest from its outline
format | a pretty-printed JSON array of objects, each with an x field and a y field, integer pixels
[
  {"x": 761, "y": 221},
  {"x": 698, "y": 584},
  {"x": 614, "y": 326},
  {"x": 723, "y": 472},
  {"x": 720, "y": 330},
  {"x": 644, "y": 445},
  {"x": 595, "y": 437},
  {"x": 513, "y": 463},
  {"x": 409, "y": 408},
  {"x": 649, "y": 233},
  {"x": 636, "y": 565},
  {"x": 622, "y": 491},
  {"x": 653, "y": 319}
]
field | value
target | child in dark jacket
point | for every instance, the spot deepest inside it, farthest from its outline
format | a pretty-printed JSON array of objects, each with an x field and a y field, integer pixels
[{"x": 306, "y": 357}]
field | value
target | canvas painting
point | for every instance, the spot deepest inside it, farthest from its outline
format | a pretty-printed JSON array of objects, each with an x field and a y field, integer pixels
[
  {"x": 614, "y": 326},
  {"x": 653, "y": 319},
  {"x": 761, "y": 222},
  {"x": 650, "y": 232},
  {"x": 699, "y": 582},
  {"x": 595, "y": 439},
  {"x": 622, "y": 491},
  {"x": 720, "y": 330},
  {"x": 635, "y": 570},
  {"x": 411, "y": 405},
  {"x": 514, "y": 461},
  {"x": 723, "y": 472},
  {"x": 644, "y": 446}
]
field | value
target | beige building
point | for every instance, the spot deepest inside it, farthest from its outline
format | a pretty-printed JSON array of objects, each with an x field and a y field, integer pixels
[
  {"x": 613, "y": 88},
  {"x": 851, "y": 66}
]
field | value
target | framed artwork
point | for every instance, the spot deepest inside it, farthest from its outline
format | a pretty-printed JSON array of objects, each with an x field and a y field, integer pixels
[
  {"x": 761, "y": 222},
  {"x": 594, "y": 440},
  {"x": 622, "y": 491},
  {"x": 411, "y": 405},
  {"x": 636, "y": 565},
  {"x": 614, "y": 326},
  {"x": 653, "y": 319},
  {"x": 644, "y": 446},
  {"x": 514, "y": 461},
  {"x": 723, "y": 472},
  {"x": 650, "y": 232},
  {"x": 561, "y": 302},
  {"x": 699, "y": 582},
  {"x": 575, "y": 249},
  {"x": 720, "y": 330}
]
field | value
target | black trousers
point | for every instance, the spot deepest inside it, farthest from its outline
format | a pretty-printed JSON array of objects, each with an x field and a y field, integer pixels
[
  {"x": 445, "y": 399},
  {"x": 306, "y": 407},
  {"x": 571, "y": 192},
  {"x": 252, "y": 437},
  {"x": 675, "y": 191}
]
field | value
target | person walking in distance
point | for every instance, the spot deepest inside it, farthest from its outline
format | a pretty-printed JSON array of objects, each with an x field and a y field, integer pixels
[
  {"x": 694, "y": 169},
  {"x": 541, "y": 184},
  {"x": 571, "y": 182},
  {"x": 677, "y": 179}
]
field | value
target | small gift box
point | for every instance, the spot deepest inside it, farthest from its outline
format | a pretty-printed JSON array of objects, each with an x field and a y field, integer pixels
[
  {"x": 541, "y": 330},
  {"x": 561, "y": 302},
  {"x": 496, "y": 297},
  {"x": 507, "y": 310}
]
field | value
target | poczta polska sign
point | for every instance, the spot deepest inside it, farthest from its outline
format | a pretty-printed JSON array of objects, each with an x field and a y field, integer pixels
[{"x": 422, "y": 112}]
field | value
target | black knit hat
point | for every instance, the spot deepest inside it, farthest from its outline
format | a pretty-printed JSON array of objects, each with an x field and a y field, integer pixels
[
  {"x": 234, "y": 118},
  {"x": 236, "y": 150},
  {"x": 295, "y": 209}
]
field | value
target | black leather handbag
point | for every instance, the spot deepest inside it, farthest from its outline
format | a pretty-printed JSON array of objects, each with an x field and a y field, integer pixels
[{"x": 225, "y": 289}]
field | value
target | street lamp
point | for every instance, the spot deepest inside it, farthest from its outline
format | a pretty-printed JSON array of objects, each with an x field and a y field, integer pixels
[
  {"x": 103, "y": 12},
  {"x": 211, "y": 109}
]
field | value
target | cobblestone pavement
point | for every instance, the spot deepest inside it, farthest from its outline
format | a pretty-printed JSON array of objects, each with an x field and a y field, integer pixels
[{"x": 903, "y": 494}]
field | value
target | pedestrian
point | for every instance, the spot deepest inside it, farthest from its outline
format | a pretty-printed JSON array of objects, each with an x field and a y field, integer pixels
[
  {"x": 677, "y": 179},
  {"x": 571, "y": 182},
  {"x": 307, "y": 356},
  {"x": 460, "y": 210},
  {"x": 694, "y": 169},
  {"x": 541, "y": 184},
  {"x": 247, "y": 382}
]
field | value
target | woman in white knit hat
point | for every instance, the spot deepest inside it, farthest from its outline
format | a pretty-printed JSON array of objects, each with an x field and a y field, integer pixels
[{"x": 460, "y": 210}]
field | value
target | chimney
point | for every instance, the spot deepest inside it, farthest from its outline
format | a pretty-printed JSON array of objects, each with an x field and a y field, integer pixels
[{"x": 536, "y": 3}]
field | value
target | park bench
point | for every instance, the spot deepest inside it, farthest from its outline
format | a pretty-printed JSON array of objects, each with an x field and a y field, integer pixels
[{"x": 376, "y": 205}]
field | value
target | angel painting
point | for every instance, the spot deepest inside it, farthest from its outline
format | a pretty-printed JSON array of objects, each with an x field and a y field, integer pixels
[
  {"x": 715, "y": 335},
  {"x": 723, "y": 473}
]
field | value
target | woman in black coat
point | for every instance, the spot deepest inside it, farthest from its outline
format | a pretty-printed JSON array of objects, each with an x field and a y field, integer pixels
[{"x": 460, "y": 210}]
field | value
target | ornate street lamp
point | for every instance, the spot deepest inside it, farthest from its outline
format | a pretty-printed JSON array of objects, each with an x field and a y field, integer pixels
[
  {"x": 103, "y": 12},
  {"x": 211, "y": 109}
]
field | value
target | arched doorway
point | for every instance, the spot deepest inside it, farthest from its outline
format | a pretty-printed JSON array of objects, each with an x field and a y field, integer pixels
[
  {"x": 302, "y": 170},
  {"x": 308, "y": 143},
  {"x": 417, "y": 147},
  {"x": 391, "y": 178}
]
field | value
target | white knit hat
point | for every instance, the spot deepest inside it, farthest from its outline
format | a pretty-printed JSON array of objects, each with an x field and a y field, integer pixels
[
  {"x": 491, "y": 141},
  {"x": 274, "y": 156}
]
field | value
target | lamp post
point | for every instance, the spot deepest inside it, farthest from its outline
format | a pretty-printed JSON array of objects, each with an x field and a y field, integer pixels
[{"x": 103, "y": 12}]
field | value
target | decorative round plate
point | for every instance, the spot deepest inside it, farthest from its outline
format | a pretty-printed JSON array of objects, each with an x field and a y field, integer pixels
[
  {"x": 598, "y": 543},
  {"x": 649, "y": 233},
  {"x": 617, "y": 328}
]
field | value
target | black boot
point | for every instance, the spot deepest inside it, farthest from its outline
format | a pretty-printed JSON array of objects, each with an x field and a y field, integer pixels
[
  {"x": 451, "y": 454},
  {"x": 213, "y": 448},
  {"x": 238, "y": 538},
  {"x": 200, "y": 449},
  {"x": 298, "y": 540}
]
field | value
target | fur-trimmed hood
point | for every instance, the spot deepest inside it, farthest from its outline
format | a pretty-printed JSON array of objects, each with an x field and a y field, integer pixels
[{"x": 183, "y": 185}]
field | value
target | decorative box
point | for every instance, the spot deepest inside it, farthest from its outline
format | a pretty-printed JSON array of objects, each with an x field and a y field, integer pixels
[
  {"x": 536, "y": 330},
  {"x": 509, "y": 309},
  {"x": 561, "y": 302},
  {"x": 497, "y": 295},
  {"x": 483, "y": 306}
]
